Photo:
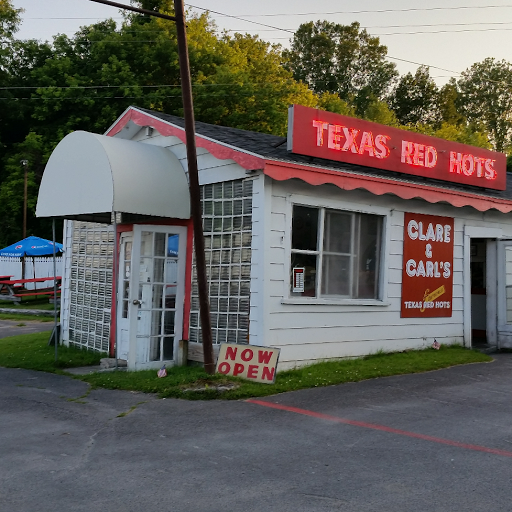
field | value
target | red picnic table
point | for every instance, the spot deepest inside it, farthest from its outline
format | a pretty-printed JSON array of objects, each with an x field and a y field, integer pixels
[{"x": 14, "y": 289}]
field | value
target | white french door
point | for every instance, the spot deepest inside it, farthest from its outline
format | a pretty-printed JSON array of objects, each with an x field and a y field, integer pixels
[
  {"x": 123, "y": 296},
  {"x": 156, "y": 295}
]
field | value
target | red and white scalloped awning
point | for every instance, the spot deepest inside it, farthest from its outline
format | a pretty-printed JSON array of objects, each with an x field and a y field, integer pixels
[{"x": 281, "y": 171}]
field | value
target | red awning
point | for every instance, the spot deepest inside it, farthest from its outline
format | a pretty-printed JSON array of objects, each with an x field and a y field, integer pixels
[{"x": 281, "y": 171}]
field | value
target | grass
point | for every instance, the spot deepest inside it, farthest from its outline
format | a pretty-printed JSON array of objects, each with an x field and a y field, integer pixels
[
  {"x": 21, "y": 316},
  {"x": 31, "y": 351},
  {"x": 321, "y": 374}
]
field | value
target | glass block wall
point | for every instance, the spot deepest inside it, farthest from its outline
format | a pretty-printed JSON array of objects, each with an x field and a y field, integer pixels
[
  {"x": 90, "y": 285},
  {"x": 227, "y": 224}
]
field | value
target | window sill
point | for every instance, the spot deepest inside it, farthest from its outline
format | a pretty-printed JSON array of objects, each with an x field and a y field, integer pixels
[{"x": 335, "y": 302}]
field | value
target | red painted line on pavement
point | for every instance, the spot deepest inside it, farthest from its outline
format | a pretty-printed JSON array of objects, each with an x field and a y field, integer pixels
[{"x": 382, "y": 428}]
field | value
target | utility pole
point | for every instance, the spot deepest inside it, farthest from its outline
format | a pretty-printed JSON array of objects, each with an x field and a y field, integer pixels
[
  {"x": 24, "y": 164},
  {"x": 193, "y": 175}
]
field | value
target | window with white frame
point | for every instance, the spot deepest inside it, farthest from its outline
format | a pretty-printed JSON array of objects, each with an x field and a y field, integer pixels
[{"x": 335, "y": 253}]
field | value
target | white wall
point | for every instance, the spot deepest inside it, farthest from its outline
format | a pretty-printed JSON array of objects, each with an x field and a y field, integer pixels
[{"x": 307, "y": 332}]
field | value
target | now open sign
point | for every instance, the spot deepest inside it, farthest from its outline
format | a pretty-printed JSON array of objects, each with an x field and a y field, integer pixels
[{"x": 248, "y": 362}]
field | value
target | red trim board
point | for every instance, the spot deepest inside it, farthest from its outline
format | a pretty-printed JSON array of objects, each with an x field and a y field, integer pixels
[{"x": 218, "y": 150}]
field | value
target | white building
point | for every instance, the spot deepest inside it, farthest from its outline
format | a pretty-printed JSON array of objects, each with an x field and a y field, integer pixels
[{"x": 304, "y": 251}]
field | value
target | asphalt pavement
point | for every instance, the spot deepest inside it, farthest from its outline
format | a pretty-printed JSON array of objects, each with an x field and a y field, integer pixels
[
  {"x": 15, "y": 327},
  {"x": 437, "y": 441}
]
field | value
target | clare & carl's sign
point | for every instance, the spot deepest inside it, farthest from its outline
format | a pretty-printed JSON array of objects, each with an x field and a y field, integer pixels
[{"x": 427, "y": 275}]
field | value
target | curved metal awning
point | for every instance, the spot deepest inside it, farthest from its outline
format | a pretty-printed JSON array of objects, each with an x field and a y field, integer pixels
[{"x": 89, "y": 176}]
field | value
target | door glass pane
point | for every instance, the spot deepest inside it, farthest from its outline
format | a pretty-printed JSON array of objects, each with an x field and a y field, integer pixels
[
  {"x": 156, "y": 322},
  {"x": 171, "y": 271},
  {"x": 145, "y": 269},
  {"x": 170, "y": 296},
  {"x": 172, "y": 245},
  {"x": 126, "y": 289},
  {"x": 158, "y": 270},
  {"x": 146, "y": 244},
  {"x": 158, "y": 290},
  {"x": 154, "y": 349},
  {"x": 336, "y": 275},
  {"x": 168, "y": 346},
  {"x": 125, "y": 309},
  {"x": 169, "y": 322},
  {"x": 160, "y": 244}
]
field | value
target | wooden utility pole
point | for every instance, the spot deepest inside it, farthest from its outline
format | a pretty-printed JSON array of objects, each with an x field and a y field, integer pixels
[
  {"x": 193, "y": 174},
  {"x": 24, "y": 164}
]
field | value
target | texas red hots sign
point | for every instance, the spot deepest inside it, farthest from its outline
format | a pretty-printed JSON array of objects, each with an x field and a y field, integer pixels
[{"x": 331, "y": 136}]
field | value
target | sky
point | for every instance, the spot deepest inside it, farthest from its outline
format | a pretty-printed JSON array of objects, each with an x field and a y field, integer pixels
[{"x": 447, "y": 36}]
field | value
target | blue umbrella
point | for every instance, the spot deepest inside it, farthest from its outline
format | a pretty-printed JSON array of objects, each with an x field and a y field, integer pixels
[{"x": 31, "y": 246}]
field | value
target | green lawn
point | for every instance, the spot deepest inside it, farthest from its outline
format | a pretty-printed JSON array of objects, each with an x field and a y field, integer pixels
[
  {"x": 31, "y": 351},
  {"x": 21, "y": 316},
  {"x": 317, "y": 375}
]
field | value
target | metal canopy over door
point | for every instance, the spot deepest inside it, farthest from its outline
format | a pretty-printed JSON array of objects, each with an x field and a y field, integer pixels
[
  {"x": 505, "y": 294},
  {"x": 156, "y": 295}
]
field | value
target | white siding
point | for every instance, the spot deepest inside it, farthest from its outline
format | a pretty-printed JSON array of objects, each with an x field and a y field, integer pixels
[{"x": 307, "y": 332}]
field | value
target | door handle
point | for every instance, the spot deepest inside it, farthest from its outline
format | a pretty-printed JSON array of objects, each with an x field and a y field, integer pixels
[{"x": 137, "y": 302}]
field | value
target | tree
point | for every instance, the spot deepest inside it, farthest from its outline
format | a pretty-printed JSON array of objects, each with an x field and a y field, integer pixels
[
  {"x": 414, "y": 99},
  {"x": 9, "y": 20},
  {"x": 333, "y": 103},
  {"x": 34, "y": 150},
  {"x": 341, "y": 59},
  {"x": 485, "y": 96},
  {"x": 379, "y": 112},
  {"x": 249, "y": 88},
  {"x": 447, "y": 104}
]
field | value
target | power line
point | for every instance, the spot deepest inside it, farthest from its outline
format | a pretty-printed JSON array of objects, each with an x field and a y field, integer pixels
[
  {"x": 370, "y": 11},
  {"x": 238, "y": 18}
]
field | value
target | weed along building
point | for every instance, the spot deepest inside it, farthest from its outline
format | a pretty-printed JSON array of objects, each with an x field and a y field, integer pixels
[{"x": 344, "y": 238}]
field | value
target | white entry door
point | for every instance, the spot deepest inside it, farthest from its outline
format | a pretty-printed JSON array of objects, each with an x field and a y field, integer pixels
[
  {"x": 156, "y": 295},
  {"x": 123, "y": 296},
  {"x": 505, "y": 294}
]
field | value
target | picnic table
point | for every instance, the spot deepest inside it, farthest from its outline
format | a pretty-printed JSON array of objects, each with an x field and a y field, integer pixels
[{"x": 14, "y": 289}]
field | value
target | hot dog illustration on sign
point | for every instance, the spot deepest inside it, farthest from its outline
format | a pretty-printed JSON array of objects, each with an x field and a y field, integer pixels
[{"x": 427, "y": 275}]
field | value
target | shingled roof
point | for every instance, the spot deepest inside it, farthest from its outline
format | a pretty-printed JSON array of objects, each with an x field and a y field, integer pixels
[{"x": 273, "y": 147}]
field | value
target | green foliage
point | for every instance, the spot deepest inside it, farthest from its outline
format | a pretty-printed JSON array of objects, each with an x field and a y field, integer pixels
[
  {"x": 447, "y": 104},
  {"x": 464, "y": 134},
  {"x": 485, "y": 96},
  {"x": 9, "y": 20},
  {"x": 414, "y": 99},
  {"x": 36, "y": 152},
  {"x": 331, "y": 102},
  {"x": 341, "y": 59},
  {"x": 250, "y": 89},
  {"x": 379, "y": 112}
]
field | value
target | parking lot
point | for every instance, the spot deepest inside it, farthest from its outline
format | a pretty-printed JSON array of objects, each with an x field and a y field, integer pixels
[{"x": 438, "y": 441}]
